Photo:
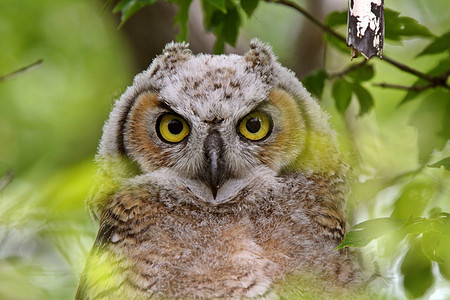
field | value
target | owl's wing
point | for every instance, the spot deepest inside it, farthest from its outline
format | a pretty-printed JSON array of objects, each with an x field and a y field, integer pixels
[{"x": 103, "y": 275}]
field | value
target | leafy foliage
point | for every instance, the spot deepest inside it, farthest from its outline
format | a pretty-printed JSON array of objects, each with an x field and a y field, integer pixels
[
  {"x": 127, "y": 8},
  {"x": 221, "y": 17},
  {"x": 398, "y": 27},
  {"x": 439, "y": 45},
  {"x": 442, "y": 163},
  {"x": 315, "y": 82}
]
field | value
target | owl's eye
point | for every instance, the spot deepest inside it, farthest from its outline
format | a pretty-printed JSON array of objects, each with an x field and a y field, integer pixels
[
  {"x": 171, "y": 128},
  {"x": 255, "y": 126}
]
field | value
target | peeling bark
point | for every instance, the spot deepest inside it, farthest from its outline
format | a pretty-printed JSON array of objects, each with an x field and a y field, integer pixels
[{"x": 365, "y": 27}]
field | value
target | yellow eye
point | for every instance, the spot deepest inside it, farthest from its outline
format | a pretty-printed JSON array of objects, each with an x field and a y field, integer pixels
[
  {"x": 255, "y": 126},
  {"x": 172, "y": 128}
]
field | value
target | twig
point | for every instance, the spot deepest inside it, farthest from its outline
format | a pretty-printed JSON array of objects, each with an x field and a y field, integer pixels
[
  {"x": 21, "y": 70},
  {"x": 415, "y": 88},
  {"x": 309, "y": 17},
  {"x": 6, "y": 179},
  {"x": 348, "y": 70},
  {"x": 435, "y": 80},
  {"x": 407, "y": 69}
]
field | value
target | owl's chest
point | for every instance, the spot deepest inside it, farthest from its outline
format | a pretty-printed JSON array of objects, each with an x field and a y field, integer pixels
[{"x": 210, "y": 255}]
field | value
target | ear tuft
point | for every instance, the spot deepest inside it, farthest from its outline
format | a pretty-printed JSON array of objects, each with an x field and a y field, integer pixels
[
  {"x": 173, "y": 54},
  {"x": 260, "y": 53},
  {"x": 260, "y": 58},
  {"x": 177, "y": 49}
]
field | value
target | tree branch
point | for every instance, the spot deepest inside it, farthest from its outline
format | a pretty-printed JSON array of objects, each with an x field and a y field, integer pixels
[
  {"x": 309, "y": 17},
  {"x": 415, "y": 88},
  {"x": 21, "y": 70},
  {"x": 6, "y": 179},
  {"x": 348, "y": 70},
  {"x": 434, "y": 80}
]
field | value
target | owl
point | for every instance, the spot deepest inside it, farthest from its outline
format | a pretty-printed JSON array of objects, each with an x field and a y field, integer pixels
[{"x": 219, "y": 177}]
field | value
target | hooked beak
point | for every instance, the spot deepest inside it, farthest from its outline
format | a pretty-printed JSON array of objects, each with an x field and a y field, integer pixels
[{"x": 213, "y": 174}]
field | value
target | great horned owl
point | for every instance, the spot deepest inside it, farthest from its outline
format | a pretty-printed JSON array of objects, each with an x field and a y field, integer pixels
[{"x": 220, "y": 177}]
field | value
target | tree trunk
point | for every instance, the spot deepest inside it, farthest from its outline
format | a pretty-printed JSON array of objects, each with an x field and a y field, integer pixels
[{"x": 365, "y": 27}]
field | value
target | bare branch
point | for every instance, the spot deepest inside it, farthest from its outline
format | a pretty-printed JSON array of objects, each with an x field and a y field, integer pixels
[
  {"x": 310, "y": 17},
  {"x": 6, "y": 179},
  {"x": 348, "y": 70},
  {"x": 407, "y": 69},
  {"x": 415, "y": 88},
  {"x": 21, "y": 70}
]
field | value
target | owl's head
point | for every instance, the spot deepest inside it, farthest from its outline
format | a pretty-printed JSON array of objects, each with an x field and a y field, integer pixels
[{"x": 217, "y": 124}]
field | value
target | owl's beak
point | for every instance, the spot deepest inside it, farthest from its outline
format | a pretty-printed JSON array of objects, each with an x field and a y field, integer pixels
[{"x": 213, "y": 174}]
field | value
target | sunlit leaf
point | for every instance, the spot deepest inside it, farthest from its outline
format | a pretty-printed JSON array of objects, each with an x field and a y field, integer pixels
[
  {"x": 422, "y": 225},
  {"x": 416, "y": 269},
  {"x": 414, "y": 197},
  {"x": 430, "y": 244},
  {"x": 398, "y": 27},
  {"x": 364, "y": 97},
  {"x": 442, "y": 163},
  {"x": 342, "y": 94},
  {"x": 249, "y": 6},
  {"x": 443, "y": 251},
  {"x": 315, "y": 82},
  {"x": 432, "y": 122},
  {"x": 365, "y": 232},
  {"x": 440, "y": 44}
]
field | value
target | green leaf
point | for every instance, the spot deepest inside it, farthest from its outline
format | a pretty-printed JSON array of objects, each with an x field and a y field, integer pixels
[
  {"x": 430, "y": 245},
  {"x": 230, "y": 29},
  {"x": 442, "y": 163},
  {"x": 127, "y": 8},
  {"x": 441, "y": 67},
  {"x": 219, "y": 4},
  {"x": 414, "y": 197},
  {"x": 225, "y": 26},
  {"x": 432, "y": 123},
  {"x": 365, "y": 232},
  {"x": 315, "y": 82},
  {"x": 419, "y": 226},
  {"x": 440, "y": 44},
  {"x": 397, "y": 27},
  {"x": 444, "y": 252},
  {"x": 363, "y": 73},
  {"x": 342, "y": 94},
  {"x": 219, "y": 46},
  {"x": 181, "y": 18},
  {"x": 336, "y": 43},
  {"x": 249, "y": 6},
  {"x": 364, "y": 97},
  {"x": 336, "y": 18},
  {"x": 416, "y": 269}
]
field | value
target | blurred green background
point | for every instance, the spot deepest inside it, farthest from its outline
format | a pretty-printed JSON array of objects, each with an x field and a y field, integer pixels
[{"x": 51, "y": 119}]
